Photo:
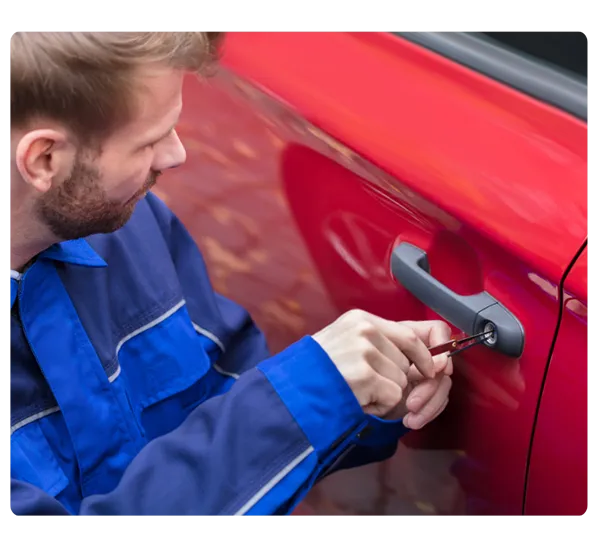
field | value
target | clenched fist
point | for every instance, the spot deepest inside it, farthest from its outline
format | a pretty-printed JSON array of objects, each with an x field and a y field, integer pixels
[{"x": 388, "y": 367}]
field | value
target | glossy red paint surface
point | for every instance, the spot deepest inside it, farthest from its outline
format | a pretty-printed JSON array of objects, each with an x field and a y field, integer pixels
[
  {"x": 502, "y": 161},
  {"x": 298, "y": 226},
  {"x": 557, "y": 481}
]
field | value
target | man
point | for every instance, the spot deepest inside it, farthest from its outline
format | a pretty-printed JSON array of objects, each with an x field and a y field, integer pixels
[{"x": 135, "y": 389}]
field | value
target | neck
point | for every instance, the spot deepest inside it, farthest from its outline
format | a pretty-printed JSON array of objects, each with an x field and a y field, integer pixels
[
  {"x": 19, "y": 257},
  {"x": 27, "y": 240},
  {"x": 28, "y": 235}
]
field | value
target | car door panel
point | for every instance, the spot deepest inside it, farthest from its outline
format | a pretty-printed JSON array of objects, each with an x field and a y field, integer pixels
[
  {"x": 491, "y": 412},
  {"x": 310, "y": 156},
  {"x": 557, "y": 478}
]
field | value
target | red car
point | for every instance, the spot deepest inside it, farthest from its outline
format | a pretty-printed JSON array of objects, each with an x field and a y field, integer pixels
[{"x": 415, "y": 176}]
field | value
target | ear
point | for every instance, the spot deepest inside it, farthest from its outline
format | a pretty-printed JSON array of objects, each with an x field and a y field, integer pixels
[{"x": 43, "y": 156}]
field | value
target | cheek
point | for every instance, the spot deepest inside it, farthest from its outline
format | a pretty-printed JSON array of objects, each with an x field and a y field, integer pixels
[{"x": 126, "y": 181}]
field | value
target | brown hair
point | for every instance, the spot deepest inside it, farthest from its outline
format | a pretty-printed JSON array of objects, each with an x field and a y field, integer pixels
[{"x": 86, "y": 79}]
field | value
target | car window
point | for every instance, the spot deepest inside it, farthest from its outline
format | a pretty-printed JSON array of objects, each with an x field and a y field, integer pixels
[
  {"x": 550, "y": 66},
  {"x": 566, "y": 51}
]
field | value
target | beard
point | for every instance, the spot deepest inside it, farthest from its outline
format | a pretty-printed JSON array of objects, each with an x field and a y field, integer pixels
[{"x": 79, "y": 207}]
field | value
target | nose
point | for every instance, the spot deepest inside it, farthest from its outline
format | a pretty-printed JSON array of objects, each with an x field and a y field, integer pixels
[{"x": 169, "y": 153}]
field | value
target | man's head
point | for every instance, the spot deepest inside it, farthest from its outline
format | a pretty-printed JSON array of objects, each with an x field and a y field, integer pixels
[{"x": 92, "y": 123}]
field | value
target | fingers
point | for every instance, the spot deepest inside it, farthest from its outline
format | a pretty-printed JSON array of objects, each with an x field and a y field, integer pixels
[
  {"x": 386, "y": 396},
  {"x": 439, "y": 333},
  {"x": 381, "y": 360},
  {"x": 442, "y": 364},
  {"x": 395, "y": 357},
  {"x": 421, "y": 394},
  {"x": 439, "y": 412},
  {"x": 406, "y": 339},
  {"x": 431, "y": 332},
  {"x": 434, "y": 333},
  {"x": 388, "y": 369},
  {"x": 433, "y": 407},
  {"x": 414, "y": 375}
]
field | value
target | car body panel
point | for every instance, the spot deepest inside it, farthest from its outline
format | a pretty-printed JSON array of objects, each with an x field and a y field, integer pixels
[
  {"x": 488, "y": 154},
  {"x": 557, "y": 479},
  {"x": 300, "y": 182}
]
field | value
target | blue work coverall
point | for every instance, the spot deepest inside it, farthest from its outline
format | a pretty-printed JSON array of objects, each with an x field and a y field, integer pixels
[{"x": 136, "y": 389}]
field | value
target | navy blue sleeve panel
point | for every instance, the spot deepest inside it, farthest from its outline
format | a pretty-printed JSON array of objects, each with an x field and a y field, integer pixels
[
  {"x": 234, "y": 451},
  {"x": 28, "y": 500},
  {"x": 376, "y": 443}
]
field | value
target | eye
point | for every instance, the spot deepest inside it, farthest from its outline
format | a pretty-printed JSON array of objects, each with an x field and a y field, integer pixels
[{"x": 154, "y": 143}]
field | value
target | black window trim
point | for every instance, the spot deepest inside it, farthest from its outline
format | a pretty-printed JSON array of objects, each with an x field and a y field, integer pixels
[{"x": 536, "y": 79}]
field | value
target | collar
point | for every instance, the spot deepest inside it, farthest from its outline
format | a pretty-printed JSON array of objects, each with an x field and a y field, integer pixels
[
  {"x": 77, "y": 252},
  {"x": 74, "y": 251}
]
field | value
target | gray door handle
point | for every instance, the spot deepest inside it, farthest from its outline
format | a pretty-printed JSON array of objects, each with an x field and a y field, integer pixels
[{"x": 470, "y": 313}]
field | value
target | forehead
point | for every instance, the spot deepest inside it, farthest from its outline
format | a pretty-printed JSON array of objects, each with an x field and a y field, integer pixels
[{"x": 157, "y": 99}]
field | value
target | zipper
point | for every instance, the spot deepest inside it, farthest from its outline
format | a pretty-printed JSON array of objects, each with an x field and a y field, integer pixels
[{"x": 19, "y": 299}]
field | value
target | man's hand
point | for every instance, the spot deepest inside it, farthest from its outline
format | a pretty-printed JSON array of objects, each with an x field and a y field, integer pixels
[
  {"x": 375, "y": 356},
  {"x": 424, "y": 399}
]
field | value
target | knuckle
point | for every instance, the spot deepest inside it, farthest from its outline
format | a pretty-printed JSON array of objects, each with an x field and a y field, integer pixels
[
  {"x": 367, "y": 350},
  {"x": 366, "y": 329},
  {"x": 409, "y": 338},
  {"x": 363, "y": 377},
  {"x": 439, "y": 323},
  {"x": 355, "y": 315},
  {"x": 359, "y": 382},
  {"x": 444, "y": 325}
]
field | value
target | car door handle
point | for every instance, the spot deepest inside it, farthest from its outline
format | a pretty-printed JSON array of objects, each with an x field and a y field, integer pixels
[{"x": 469, "y": 313}]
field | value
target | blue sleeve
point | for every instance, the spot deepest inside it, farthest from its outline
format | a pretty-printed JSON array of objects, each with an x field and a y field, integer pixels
[
  {"x": 245, "y": 450},
  {"x": 286, "y": 421}
]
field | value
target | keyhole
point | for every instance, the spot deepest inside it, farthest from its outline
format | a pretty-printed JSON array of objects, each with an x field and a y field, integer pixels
[{"x": 491, "y": 339}]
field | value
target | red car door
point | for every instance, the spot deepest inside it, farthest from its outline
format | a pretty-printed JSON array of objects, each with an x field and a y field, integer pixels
[
  {"x": 561, "y": 429},
  {"x": 416, "y": 177}
]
